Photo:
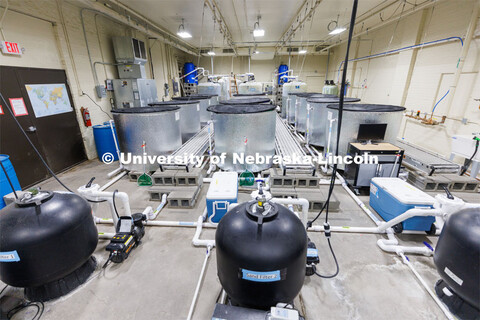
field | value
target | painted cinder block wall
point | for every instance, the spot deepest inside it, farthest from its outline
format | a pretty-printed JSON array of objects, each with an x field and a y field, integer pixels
[
  {"x": 384, "y": 79},
  {"x": 51, "y": 33}
]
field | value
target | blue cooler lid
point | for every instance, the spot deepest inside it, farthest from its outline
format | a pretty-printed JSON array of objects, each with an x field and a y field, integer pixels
[{"x": 403, "y": 191}]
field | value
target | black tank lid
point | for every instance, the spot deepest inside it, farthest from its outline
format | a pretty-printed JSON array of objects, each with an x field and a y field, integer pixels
[
  {"x": 194, "y": 97},
  {"x": 246, "y": 101},
  {"x": 147, "y": 109},
  {"x": 367, "y": 107},
  {"x": 240, "y": 108},
  {"x": 249, "y": 94},
  {"x": 332, "y": 99},
  {"x": 172, "y": 103}
]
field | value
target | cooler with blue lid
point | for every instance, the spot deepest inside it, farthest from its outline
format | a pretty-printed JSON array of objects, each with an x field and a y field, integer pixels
[
  {"x": 390, "y": 197},
  {"x": 222, "y": 192}
]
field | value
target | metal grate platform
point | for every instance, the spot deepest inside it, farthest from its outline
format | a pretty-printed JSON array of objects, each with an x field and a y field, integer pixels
[
  {"x": 287, "y": 145},
  {"x": 426, "y": 161}
]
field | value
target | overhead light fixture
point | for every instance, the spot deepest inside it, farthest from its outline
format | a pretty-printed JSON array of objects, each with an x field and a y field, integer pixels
[
  {"x": 302, "y": 51},
  {"x": 257, "y": 52},
  {"x": 182, "y": 33},
  {"x": 257, "y": 31},
  {"x": 333, "y": 27},
  {"x": 337, "y": 30},
  {"x": 211, "y": 52}
]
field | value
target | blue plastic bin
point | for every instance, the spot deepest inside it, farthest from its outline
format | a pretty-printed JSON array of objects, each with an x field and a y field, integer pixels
[
  {"x": 390, "y": 197},
  {"x": 104, "y": 142},
  {"x": 4, "y": 185}
]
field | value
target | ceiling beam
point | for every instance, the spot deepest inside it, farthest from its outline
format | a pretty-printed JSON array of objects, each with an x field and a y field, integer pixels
[
  {"x": 290, "y": 31},
  {"x": 212, "y": 4}
]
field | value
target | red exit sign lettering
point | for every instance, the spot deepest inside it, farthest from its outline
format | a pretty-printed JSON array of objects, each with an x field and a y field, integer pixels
[{"x": 11, "y": 48}]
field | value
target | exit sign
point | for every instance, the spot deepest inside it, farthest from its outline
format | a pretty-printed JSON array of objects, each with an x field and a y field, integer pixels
[{"x": 11, "y": 48}]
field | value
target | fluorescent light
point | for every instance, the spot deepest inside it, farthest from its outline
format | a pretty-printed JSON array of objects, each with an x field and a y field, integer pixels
[
  {"x": 211, "y": 53},
  {"x": 337, "y": 30},
  {"x": 303, "y": 51},
  {"x": 184, "y": 34},
  {"x": 258, "y": 33},
  {"x": 257, "y": 52}
]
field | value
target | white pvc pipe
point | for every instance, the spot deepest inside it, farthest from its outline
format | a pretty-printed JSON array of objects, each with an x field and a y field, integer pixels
[
  {"x": 391, "y": 245},
  {"x": 300, "y": 201},
  {"x": 415, "y": 212},
  {"x": 155, "y": 213},
  {"x": 199, "y": 283},
  {"x": 196, "y": 241},
  {"x": 427, "y": 288},
  {"x": 105, "y": 235},
  {"x": 114, "y": 172},
  {"x": 111, "y": 182},
  {"x": 357, "y": 200}
]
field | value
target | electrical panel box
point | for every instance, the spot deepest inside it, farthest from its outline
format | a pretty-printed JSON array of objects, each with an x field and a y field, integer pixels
[
  {"x": 131, "y": 71},
  {"x": 129, "y": 50},
  {"x": 109, "y": 84},
  {"x": 101, "y": 91},
  {"x": 131, "y": 93}
]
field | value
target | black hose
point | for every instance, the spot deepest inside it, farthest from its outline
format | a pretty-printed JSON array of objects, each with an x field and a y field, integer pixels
[
  {"x": 339, "y": 127},
  {"x": 467, "y": 164},
  {"x": 32, "y": 145}
]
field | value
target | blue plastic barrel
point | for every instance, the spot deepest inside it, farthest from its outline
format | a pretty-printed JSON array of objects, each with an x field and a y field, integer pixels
[
  {"x": 104, "y": 142},
  {"x": 282, "y": 72},
  {"x": 191, "y": 78},
  {"x": 4, "y": 185}
]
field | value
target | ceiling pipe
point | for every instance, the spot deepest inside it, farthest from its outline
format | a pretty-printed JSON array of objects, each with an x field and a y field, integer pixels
[
  {"x": 387, "y": 22},
  {"x": 212, "y": 4},
  {"x": 309, "y": 14},
  {"x": 461, "y": 61},
  {"x": 150, "y": 29}
]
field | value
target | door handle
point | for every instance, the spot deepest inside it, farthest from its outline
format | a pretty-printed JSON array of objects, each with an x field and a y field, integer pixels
[{"x": 31, "y": 129}]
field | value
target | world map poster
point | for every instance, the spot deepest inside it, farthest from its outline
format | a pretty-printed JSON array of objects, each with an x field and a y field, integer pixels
[{"x": 48, "y": 99}]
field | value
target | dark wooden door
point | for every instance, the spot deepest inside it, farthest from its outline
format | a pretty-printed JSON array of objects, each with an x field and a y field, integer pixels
[{"x": 51, "y": 123}]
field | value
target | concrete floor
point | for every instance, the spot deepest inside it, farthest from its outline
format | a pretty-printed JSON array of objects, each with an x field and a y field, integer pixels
[{"x": 158, "y": 280}]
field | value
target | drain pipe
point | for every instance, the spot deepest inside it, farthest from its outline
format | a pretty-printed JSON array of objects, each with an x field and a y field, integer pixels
[
  {"x": 112, "y": 181},
  {"x": 391, "y": 245},
  {"x": 358, "y": 201},
  {"x": 121, "y": 167},
  {"x": 425, "y": 285},
  {"x": 154, "y": 214},
  {"x": 199, "y": 283},
  {"x": 300, "y": 201}
]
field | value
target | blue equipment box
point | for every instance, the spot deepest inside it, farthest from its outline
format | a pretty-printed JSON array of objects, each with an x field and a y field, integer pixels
[
  {"x": 390, "y": 197},
  {"x": 222, "y": 192}
]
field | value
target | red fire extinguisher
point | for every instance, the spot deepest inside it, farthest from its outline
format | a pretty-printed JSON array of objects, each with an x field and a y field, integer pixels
[{"x": 86, "y": 117}]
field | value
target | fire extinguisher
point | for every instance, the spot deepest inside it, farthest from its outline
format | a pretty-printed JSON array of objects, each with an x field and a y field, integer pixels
[{"x": 86, "y": 117}]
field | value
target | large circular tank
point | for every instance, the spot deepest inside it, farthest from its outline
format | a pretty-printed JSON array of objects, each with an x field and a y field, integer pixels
[
  {"x": 318, "y": 118},
  {"x": 288, "y": 101},
  {"x": 457, "y": 255},
  {"x": 356, "y": 114},
  {"x": 159, "y": 127},
  {"x": 189, "y": 116},
  {"x": 247, "y": 101},
  {"x": 205, "y": 101},
  {"x": 247, "y": 129},
  {"x": 47, "y": 241},
  {"x": 298, "y": 111},
  {"x": 210, "y": 88},
  {"x": 250, "y": 87},
  {"x": 261, "y": 258}
]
